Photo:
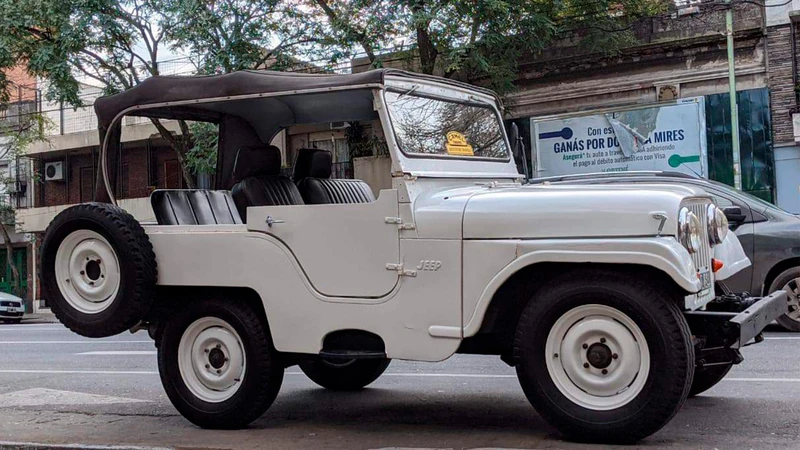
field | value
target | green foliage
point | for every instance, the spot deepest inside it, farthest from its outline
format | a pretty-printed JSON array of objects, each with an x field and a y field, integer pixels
[
  {"x": 202, "y": 156},
  {"x": 231, "y": 35},
  {"x": 481, "y": 40}
]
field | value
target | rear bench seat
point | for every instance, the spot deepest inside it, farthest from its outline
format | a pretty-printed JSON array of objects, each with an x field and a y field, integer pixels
[
  {"x": 194, "y": 207},
  {"x": 312, "y": 173}
]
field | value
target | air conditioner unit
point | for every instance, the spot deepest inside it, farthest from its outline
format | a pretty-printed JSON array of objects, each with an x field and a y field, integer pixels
[
  {"x": 339, "y": 125},
  {"x": 54, "y": 171}
]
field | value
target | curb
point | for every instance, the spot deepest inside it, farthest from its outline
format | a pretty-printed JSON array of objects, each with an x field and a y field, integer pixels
[{"x": 38, "y": 446}]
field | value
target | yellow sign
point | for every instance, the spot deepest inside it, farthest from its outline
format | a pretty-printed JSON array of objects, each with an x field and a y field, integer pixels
[{"x": 457, "y": 145}]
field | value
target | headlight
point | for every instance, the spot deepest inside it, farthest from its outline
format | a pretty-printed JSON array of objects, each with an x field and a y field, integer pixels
[
  {"x": 689, "y": 230},
  {"x": 717, "y": 225}
]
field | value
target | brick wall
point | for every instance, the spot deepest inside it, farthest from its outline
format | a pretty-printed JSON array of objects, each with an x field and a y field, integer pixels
[
  {"x": 135, "y": 180},
  {"x": 782, "y": 90},
  {"x": 21, "y": 79}
]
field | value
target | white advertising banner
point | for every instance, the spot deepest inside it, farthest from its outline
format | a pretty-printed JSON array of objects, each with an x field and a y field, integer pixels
[{"x": 666, "y": 137}]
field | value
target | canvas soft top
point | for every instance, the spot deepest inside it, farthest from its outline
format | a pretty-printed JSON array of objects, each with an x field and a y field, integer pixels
[{"x": 251, "y": 107}]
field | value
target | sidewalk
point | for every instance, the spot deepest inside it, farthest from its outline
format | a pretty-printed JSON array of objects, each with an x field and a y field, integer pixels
[{"x": 40, "y": 317}]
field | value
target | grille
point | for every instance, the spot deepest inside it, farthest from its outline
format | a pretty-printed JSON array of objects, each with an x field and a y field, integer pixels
[
  {"x": 8, "y": 303},
  {"x": 702, "y": 259}
]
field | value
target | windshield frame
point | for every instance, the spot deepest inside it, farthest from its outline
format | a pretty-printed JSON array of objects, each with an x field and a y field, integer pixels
[{"x": 475, "y": 103}]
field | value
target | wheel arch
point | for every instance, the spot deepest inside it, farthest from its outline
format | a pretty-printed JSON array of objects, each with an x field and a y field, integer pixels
[
  {"x": 170, "y": 299},
  {"x": 509, "y": 299},
  {"x": 776, "y": 270},
  {"x": 662, "y": 254}
]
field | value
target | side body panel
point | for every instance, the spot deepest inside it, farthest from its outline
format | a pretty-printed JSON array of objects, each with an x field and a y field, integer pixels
[{"x": 419, "y": 319}]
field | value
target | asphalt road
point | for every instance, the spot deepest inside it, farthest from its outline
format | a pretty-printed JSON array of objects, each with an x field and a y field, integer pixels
[{"x": 59, "y": 388}]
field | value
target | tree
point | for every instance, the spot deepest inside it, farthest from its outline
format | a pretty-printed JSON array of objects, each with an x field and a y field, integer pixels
[
  {"x": 229, "y": 35},
  {"x": 478, "y": 38},
  {"x": 14, "y": 142}
]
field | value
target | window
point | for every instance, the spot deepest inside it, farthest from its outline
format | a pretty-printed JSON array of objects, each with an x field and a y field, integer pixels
[
  {"x": 87, "y": 184},
  {"x": 173, "y": 178},
  {"x": 428, "y": 126}
]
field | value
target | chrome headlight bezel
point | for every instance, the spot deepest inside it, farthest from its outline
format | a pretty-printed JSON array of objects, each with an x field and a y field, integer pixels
[
  {"x": 717, "y": 225},
  {"x": 689, "y": 230}
]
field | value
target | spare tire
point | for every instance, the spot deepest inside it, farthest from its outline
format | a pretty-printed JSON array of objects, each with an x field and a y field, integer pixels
[{"x": 98, "y": 269}]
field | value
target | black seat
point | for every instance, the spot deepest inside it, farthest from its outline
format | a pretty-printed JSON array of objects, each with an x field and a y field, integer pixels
[
  {"x": 256, "y": 172},
  {"x": 312, "y": 172},
  {"x": 194, "y": 207}
]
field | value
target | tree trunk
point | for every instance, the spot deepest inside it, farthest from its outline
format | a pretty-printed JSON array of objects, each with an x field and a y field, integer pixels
[
  {"x": 15, "y": 284},
  {"x": 427, "y": 50}
]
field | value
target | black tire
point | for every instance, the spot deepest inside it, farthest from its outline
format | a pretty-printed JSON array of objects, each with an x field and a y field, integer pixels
[
  {"x": 790, "y": 277},
  {"x": 262, "y": 378},
  {"x": 14, "y": 321},
  {"x": 644, "y": 301},
  {"x": 708, "y": 377},
  {"x": 135, "y": 259},
  {"x": 349, "y": 375}
]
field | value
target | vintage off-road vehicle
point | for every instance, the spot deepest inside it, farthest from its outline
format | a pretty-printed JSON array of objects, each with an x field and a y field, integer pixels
[{"x": 594, "y": 293}]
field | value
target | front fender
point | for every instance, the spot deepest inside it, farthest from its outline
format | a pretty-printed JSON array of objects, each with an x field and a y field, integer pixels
[{"x": 662, "y": 253}]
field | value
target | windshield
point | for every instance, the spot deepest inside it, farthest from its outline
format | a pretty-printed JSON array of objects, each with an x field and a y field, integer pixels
[{"x": 435, "y": 127}]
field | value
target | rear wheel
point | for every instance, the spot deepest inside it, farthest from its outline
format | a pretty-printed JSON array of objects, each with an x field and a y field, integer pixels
[
  {"x": 708, "y": 377},
  {"x": 218, "y": 365},
  {"x": 344, "y": 374},
  {"x": 604, "y": 357},
  {"x": 789, "y": 281}
]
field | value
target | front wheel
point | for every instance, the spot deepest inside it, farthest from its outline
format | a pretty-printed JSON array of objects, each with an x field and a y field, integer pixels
[
  {"x": 344, "y": 375},
  {"x": 604, "y": 357},
  {"x": 218, "y": 365}
]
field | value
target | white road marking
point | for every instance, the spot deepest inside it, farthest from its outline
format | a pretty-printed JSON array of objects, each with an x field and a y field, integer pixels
[
  {"x": 782, "y": 338},
  {"x": 119, "y": 353},
  {"x": 395, "y": 374},
  {"x": 43, "y": 396},
  {"x": 769, "y": 380},
  {"x": 78, "y": 372},
  {"x": 72, "y": 342},
  {"x": 14, "y": 444}
]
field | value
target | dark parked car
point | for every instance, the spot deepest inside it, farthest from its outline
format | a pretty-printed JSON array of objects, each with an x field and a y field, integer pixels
[{"x": 769, "y": 235}]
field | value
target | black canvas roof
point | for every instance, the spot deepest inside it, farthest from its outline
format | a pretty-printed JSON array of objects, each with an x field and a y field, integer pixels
[{"x": 246, "y": 121}]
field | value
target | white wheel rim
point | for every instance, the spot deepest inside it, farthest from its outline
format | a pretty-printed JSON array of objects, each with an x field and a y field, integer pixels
[
  {"x": 211, "y": 359},
  {"x": 793, "y": 289},
  {"x": 87, "y": 271},
  {"x": 610, "y": 344}
]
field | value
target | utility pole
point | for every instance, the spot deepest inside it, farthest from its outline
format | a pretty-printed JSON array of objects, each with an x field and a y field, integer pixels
[{"x": 737, "y": 165}]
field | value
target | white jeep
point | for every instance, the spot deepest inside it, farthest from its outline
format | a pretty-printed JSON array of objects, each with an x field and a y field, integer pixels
[{"x": 594, "y": 293}]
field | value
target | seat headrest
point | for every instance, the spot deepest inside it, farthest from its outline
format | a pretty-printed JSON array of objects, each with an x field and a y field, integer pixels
[
  {"x": 257, "y": 161},
  {"x": 313, "y": 163}
]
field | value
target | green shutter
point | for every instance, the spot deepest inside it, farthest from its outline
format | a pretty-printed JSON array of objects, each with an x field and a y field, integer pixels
[{"x": 755, "y": 135}]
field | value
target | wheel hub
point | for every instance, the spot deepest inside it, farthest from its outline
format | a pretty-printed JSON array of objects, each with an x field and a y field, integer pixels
[
  {"x": 216, "y": 358},
  {"x": 87, "y": 271},
  {"x": 211, "y": 359},
  {"x": 599, "y": 355}
]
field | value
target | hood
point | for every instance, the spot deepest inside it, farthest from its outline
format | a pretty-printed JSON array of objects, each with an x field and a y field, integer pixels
[
  {"x": 7, "y": 296},
  {"x": 555, "y": 211}
]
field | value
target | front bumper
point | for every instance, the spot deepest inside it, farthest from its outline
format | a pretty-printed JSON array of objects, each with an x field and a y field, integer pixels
[
  {"x": 734, "y": 330},
  {"x": 5, "y": 312}
]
